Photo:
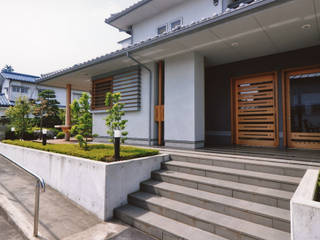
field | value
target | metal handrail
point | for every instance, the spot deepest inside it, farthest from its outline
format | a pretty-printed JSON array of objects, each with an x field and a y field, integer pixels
[{"x": 40, "y": 183}]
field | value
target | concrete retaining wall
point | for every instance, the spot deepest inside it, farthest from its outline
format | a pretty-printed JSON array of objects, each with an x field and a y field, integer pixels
[
  {"x": 98, "y": 187},
  {"x": 305, "y": 212}
]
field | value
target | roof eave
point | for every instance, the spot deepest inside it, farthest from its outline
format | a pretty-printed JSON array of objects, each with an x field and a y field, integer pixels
[
  {"x": 158, "y": 39},
  {"x": 116, "y": 16}
]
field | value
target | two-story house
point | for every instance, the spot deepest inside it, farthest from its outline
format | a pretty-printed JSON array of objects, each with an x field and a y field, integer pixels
[
  {"x": 15, "y": 85},
  {"x": 206, "y": 72}
]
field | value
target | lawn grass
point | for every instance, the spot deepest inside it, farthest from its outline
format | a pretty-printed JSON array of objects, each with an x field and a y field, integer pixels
[{"x": 98, "y": 152}]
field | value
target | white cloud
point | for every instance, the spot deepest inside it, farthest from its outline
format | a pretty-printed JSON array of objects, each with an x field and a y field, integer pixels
[{"x": 39, "y": 36}]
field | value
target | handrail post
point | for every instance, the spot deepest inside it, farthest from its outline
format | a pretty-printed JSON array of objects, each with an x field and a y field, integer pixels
[{"x": 36, "y": 209}]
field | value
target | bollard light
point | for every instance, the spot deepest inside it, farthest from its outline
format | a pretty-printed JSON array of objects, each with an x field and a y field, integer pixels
[
  {"x": 44, "y": 136},
  {"x": 12, "y": 130},
  {"x": 117, "y": 136}
]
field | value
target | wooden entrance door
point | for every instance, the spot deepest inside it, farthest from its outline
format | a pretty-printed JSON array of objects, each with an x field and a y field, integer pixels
[
  {"x": 302, "y": 103},
  {"x": 255, "y": 110}
]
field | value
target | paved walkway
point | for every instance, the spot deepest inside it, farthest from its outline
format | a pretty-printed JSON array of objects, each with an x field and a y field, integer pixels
[
  {"x": 7, "y": 231},
  {"x": 59, "y": 217}
]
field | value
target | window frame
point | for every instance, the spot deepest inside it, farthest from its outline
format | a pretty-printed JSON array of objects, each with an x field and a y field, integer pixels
[
  {"x": 176, "y": 20},
  {"x": 161, "y": 26}
]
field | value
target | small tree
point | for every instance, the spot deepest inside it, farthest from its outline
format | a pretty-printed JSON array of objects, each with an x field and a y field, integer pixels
[
  {"x": 7, "y": 68},
  {"x": 82, "y": 121},
  {"x": 115, "y": 113},
  {"x": 46, "y": 110},
  {"x": 19, "y": 116}
]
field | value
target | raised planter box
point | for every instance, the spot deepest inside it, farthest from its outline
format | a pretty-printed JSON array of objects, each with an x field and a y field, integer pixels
[
  {"x": 98, "y": 187},
  {"x": 305, "y": 212}
]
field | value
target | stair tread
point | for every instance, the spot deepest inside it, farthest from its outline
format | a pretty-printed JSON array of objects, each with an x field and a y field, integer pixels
[
  {"x": 231, "y": 171},
  {"x": 244, "y": 227},
  {"x": 248, "y": 206},
  {"x": 168, "y": 225},
  {"x": 280, "y": 194},
  {"x": 285, "y": 163}
]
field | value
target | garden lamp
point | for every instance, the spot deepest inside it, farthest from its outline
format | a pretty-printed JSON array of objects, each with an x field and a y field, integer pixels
[
  {"x": 44, "y": 136},
  {"x": 117, "y": 136}
]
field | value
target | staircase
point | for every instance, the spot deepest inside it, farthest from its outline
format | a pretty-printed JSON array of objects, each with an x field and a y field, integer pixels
[{"x": 215, "y": 197}]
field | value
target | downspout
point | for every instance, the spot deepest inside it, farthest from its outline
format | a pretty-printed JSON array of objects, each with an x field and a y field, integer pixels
[{"x": 150, "y": 92}]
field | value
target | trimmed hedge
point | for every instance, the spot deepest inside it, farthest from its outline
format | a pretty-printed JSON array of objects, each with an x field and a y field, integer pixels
[{"x": 98, "y": 152}]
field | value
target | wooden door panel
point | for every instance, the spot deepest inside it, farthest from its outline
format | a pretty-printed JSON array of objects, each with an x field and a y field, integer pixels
[{"x": 255, "y": 108}]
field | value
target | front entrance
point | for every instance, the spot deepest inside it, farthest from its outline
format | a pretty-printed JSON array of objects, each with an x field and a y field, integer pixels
[
  {"x": 302, "y": 102},
  {"x": 254, "y": 110}
]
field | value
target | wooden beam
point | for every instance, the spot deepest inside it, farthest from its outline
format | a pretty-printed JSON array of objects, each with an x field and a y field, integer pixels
[{"x": 68, "y": 110}]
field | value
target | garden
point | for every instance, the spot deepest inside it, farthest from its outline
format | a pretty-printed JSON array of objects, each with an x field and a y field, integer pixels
[{"x": 31, "y": 122}]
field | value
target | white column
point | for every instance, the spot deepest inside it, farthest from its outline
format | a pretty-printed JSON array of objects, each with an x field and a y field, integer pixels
[{"x": 184, "y": 101}]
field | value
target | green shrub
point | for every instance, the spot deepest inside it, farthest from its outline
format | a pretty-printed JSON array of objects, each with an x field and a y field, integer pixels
[
  {"x": 61, "y": 135},
  {"x": 99, "y": 152}
]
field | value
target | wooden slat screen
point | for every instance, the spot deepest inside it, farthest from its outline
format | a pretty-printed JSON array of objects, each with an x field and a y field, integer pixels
[
  {"x": 127, "y": 83},
  {"x": 255, "y": 105}
]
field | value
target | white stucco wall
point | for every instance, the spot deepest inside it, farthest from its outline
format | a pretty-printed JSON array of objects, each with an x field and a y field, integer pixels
[
  {"x": 184, "y": 100},
  {"x": 305, "y": 211},
  {"x": 189, "y": 10},
  {"x": 138, "y": 121}
]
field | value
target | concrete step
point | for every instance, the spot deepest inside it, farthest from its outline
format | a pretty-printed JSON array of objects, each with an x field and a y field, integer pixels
[
  {"x": 220, "y": 224},
  {"x": 8, "y": 231},
  {"x": 267, "y": 196},
  {"x": 161, "y": 227},
  {"x": 254, "y": 212},
  {"x": 275, "y": 181},
  {"x": 284, "y": 168}
]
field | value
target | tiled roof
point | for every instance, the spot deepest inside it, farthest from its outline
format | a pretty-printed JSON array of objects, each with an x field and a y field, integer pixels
[
  {"x": 4, "y": 102},
  {"x": 243, "y": 7},
  {"x": 127, "y": 10},
  {"x": 19, "y": 77}
]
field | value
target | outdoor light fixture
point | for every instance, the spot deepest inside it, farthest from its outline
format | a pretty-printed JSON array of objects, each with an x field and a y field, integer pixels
[
  {"x": 215, "y": 2},
  {"x": 44, "y": 136},
  {"x": 306, "y": 26},
  {"x": 117, "y": 136},
  {"x": 235, "y": 44},
  {"x": 13, "y": 129}
]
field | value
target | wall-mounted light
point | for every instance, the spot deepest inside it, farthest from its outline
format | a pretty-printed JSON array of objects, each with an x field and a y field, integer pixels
[
  {"x": 215, "y": 2},
  {"x": 235, "y": 44},
  {"x": 306, "y": 26}
]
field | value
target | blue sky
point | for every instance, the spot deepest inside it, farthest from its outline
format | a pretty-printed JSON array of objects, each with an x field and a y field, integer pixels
[{"x": 40, "y": 36}]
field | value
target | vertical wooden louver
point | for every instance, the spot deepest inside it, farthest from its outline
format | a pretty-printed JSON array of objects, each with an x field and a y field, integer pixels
[
  {"x": 128, "y": 83},
  {"x": 256, "y": 111}
]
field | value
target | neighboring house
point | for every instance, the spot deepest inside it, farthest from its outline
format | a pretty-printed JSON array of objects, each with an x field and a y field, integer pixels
[
  {"x": 4, "y": 104},
  {"x": 15, "y": 85},
  {"x": 205, "y": 72}
]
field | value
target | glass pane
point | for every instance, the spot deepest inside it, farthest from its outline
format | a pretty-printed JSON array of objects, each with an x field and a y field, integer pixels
[
  {"x": 305, "y": 103},
  {"x": 175, "y": 24},
  {"x": 162, "y": 29}
]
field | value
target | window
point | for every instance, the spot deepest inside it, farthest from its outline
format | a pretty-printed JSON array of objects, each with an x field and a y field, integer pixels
[
  {"x": 77, "y": 96},
  {"x": 20, "y": 89},
  {"x": 128, "y": 83},
  {"x": 162, "y": 29},
  {"x": 176, "y": 23}
]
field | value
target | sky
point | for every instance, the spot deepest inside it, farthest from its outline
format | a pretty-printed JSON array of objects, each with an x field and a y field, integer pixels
[{"x": 41, "y": 36}]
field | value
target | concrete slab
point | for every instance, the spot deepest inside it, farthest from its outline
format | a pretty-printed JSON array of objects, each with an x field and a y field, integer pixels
[{"x": 8, "y": 232}]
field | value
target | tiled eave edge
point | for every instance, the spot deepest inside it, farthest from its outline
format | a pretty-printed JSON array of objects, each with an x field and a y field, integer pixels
[{"x": 184, "y": 30}]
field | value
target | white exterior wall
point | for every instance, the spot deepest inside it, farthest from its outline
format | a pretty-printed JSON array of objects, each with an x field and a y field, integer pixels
[
  {"x": 33, "y": 91},
  {"x": 190, "y": 10},
  {"x": 138, "y": 121},
  {"x": 184, "y": 101}
]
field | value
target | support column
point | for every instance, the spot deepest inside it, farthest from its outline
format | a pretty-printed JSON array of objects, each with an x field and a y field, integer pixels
[
  {"x": 184, "y": 101},
  {"x": 68, "y": 112}
]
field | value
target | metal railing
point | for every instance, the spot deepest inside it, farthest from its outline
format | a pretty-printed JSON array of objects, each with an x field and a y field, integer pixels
[{"x": 40, "y": 183}]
